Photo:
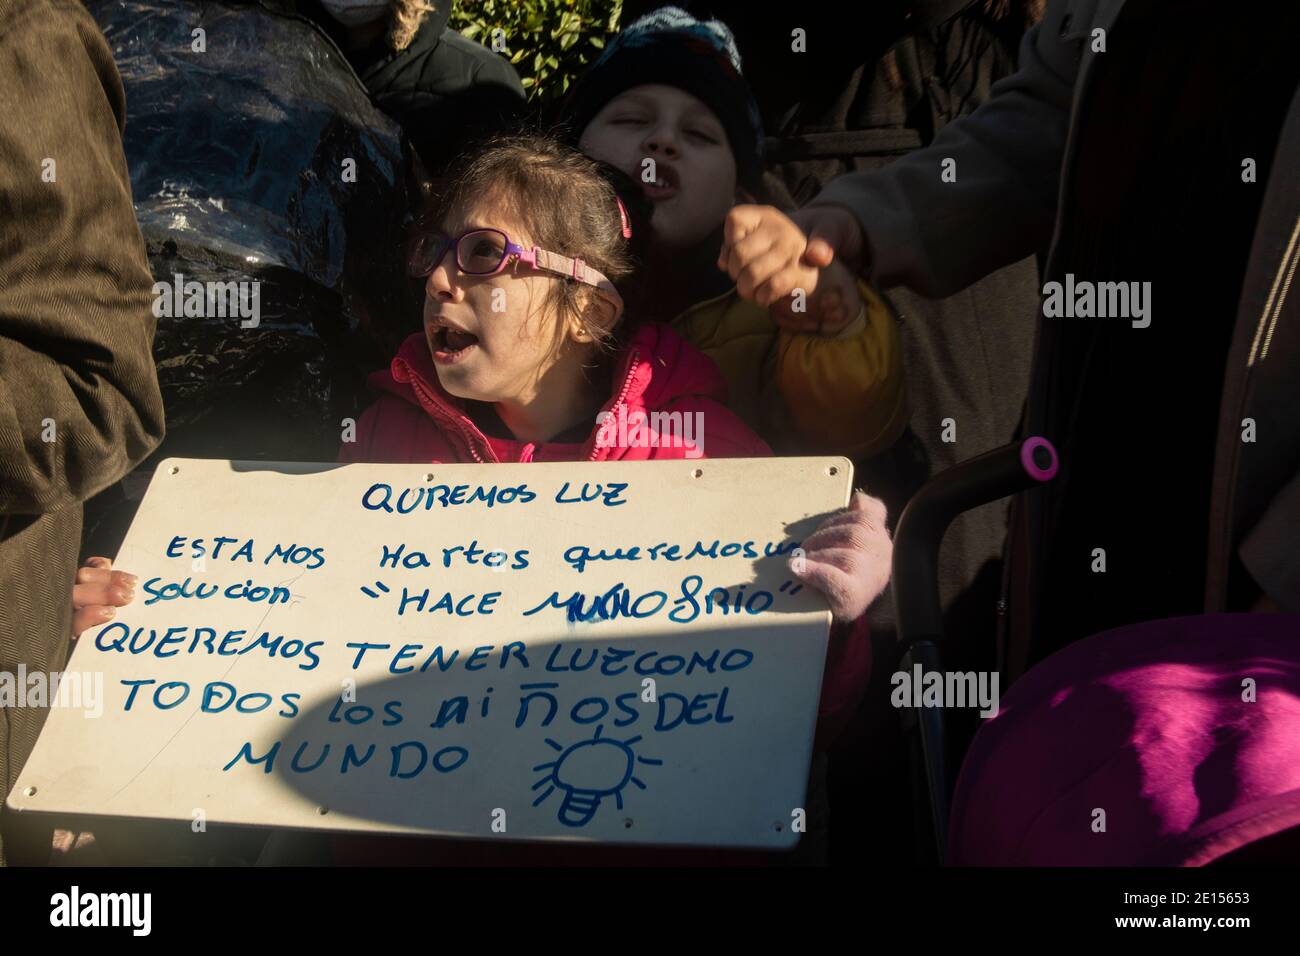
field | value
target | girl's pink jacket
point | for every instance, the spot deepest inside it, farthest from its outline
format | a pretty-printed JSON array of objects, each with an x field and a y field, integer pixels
[{"x": 416, "y": 420}]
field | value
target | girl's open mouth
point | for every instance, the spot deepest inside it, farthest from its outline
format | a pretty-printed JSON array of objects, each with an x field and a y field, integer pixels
[{"x": 449, "y": 345}]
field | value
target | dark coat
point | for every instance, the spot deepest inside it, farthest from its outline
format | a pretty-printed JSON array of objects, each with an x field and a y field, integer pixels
[
  {"x": 1149, "y": 420},
  {"x": 76, "y": 328},
  {"x": 443, "y": 89}
]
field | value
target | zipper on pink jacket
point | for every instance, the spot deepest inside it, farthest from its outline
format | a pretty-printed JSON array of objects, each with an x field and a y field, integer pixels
[
  {"x": 432, "y": 403},
  {"x": 618, "y": 400}
]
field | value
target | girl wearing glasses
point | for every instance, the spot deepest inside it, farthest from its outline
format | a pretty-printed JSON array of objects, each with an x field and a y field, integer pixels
[
  {"x": 525, "y": 342},
  {"x": 526, "y": 354},
  {"x": 525, "y": 351}
]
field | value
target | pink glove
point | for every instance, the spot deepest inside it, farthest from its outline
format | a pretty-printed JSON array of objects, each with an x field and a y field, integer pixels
[{"x": 847, "y": 559}]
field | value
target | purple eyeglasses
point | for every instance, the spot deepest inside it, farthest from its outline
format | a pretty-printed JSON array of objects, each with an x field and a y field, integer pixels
[{"x": 486, "y": 252}]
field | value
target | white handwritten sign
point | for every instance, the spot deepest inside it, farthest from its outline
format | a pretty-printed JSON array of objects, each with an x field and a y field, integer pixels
[{"x": 607, "y": 652}]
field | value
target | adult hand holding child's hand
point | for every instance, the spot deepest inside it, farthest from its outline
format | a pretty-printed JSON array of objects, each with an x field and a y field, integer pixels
[
  {"x": 98, "y": 592},
  {"x": 768, "y": 256}
]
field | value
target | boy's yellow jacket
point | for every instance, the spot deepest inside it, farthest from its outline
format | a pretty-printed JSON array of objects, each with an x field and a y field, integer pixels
[{"x": 803, "y": 393}]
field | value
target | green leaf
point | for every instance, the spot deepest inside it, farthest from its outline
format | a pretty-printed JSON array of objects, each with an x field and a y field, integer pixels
[{"x": 561, "y": 37}]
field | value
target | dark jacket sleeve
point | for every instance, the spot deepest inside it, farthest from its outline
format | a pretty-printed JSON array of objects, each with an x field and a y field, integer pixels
[
  {"x": 938, "y": 237},
  {"x": 79, "y": 399}
]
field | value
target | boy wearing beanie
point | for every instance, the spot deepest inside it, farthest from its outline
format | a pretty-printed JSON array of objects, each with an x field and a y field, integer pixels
[{"x": 667, "y": 104}]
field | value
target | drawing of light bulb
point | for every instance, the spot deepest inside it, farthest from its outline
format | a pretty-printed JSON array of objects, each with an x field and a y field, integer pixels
[{"x": 587, "y": 772}]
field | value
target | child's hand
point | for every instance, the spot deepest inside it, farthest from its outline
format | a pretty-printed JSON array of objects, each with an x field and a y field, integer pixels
[
  {"x": 848, "y": 558},
  {"x": 827, "y": 308},
  {"x": 98, "y": 592}
]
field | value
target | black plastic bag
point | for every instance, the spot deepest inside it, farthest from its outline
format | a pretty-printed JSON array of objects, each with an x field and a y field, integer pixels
[
  {"x": 244, "y": 125},
  {"x": 237, "y": 159}
]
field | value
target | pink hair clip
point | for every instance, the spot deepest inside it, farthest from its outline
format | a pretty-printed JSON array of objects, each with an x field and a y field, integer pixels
[{"x": 622, "y": 212}]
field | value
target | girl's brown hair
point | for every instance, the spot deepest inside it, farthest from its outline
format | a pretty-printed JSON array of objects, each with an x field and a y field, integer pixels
[{"x": 569, "y": 204}]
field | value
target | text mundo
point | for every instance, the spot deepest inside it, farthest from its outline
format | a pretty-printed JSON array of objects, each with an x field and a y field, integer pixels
[
  {"x": 75, "y": 908},
  {"x": 636, "y": 429},
  {"x": 53, "y": 689},
  {"x": 1098, "y": 300},
  {"x": 208, "y": 300},
  {"x": 951, "y": 689}
]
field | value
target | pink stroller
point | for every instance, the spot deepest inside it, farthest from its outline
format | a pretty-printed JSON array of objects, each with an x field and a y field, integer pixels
[{"x": 1171, "y": 742}]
